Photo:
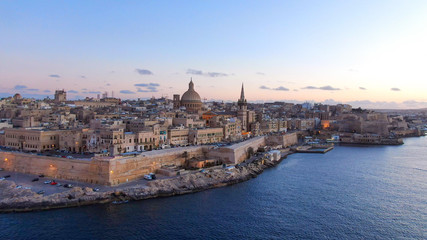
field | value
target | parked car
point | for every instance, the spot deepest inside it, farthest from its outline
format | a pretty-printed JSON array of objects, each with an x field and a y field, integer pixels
[
  {"x": 7, "y": 176},
  {"x": 150, "y": 176},
  {"x": 69, "y": 157},
  {"x": 47, "y": 182},
  {"x": 1, "y": 179},
  {"x": 1, "y": 169},
  {"x": 58, "y": 185},
  {"x": 68, "y": 185},
  {"x": 53, "y": 183},
  {"x": 41, "y": 175},
  {"x": 19, "y": 186},
  {"x": 40, "y": 192},
  {"x": 35, "y": 180},
  {"x": 95, "y": 189}
]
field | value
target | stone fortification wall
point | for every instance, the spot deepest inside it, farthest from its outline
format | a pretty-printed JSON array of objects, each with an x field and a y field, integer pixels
[
  {"x": 375, "y": 127},
  {"x": 123, "y": 169},
  {"x": 285, "y": 140},
  {"x": 237, "y": 153},
  {"x": 90, "y": 170},
  {"x": 107, "y": 170},
  {"x": 120, "y": 169}
]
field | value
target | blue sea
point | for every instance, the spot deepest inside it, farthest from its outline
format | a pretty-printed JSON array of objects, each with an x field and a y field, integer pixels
[{"x": 352, "y": 192}]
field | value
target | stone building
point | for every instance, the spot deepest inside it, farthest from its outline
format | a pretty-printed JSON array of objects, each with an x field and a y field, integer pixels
[
  {"x": 189, "y": 122},
  {"x": 111, "y": 141},
  {"x": 190, "y": 100},
  {"x": 60, "y": 96},
  {"x": 178, "y": 136},
  {"x": 31, "y": 139},
  {"x": 204, "y": 136},
  {"x": 232, "y": 127},
  {"x": 71, "y": 141}
]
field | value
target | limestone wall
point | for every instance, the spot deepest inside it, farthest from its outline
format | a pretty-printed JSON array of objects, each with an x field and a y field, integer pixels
[
  {"x": 239, "y": 152},
  {"x": 285, "y": 140},
  {"x": 107, "y": 171},
  {"x": 120, "y": 169},
  {"x": 92, "y": 171},
  {"x": 226, "y": 155},
  {"x": 123, "y": 169}
]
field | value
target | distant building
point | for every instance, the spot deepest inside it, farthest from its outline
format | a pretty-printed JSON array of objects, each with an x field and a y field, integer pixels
[
  {"x": 60, "y": 96},
  {"x": 17, "y": 97},
  {"x": 176, "y": 101}
]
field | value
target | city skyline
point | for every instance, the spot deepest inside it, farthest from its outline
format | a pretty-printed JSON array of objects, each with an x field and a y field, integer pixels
[{"x": 368, "y": 54}]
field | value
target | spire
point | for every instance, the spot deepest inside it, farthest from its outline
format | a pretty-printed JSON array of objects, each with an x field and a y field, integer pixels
[
  {"x": 191, "y": 84},
  {"x": 242, "y": 94},
  {"x": 242, "y": 101}
]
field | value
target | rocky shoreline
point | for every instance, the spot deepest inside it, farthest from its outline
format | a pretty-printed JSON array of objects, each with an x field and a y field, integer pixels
[{"x": 24, "y": 200}]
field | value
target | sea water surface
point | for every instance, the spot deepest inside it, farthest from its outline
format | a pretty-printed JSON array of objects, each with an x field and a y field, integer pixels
[{"x": 352, "y": 192}]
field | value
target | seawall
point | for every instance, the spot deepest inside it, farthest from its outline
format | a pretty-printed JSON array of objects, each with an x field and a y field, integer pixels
[
  {"x": 111, "y": 171},
  {"x": 23, "y": 200}
]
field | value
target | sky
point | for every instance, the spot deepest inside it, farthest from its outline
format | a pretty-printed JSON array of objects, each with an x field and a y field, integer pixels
[{"x": 370, "y": 54}]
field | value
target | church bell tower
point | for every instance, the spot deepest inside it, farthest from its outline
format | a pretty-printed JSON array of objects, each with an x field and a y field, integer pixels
[
  {"x": 242, "y": 103},
  {"x": 242, "y": 113}
]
